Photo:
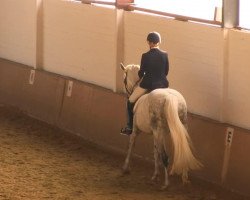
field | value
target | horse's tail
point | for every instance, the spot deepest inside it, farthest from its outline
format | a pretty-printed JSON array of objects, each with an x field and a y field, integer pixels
[{"x": 183, "y": 159}]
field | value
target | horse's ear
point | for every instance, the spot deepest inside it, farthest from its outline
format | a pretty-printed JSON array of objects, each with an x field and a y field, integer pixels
[{"x": 122, "y": 66}]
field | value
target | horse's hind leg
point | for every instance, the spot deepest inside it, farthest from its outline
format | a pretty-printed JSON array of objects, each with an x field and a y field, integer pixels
[
  {"x": 130, "y": 147},
  {"x": 166, "y": 181},
  {"x": 183, "y": 117},
  {"x": 185, "y": 178},
  {"x": 156, "y": 159},
  {"x": 165, "y": 160},
  {"x": 161, "y": 153}
]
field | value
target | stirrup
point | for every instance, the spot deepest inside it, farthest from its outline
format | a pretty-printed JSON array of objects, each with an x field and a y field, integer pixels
[{"x": 126, "y": 131}]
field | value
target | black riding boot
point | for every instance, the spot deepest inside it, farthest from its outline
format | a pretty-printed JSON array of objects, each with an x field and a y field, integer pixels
[{"x": 128, "y": 129}]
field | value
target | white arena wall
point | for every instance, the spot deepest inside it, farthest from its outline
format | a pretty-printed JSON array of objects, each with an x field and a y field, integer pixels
[
  {"x": 18, "y": 31},
  {"x": 237, "y": 73},
  {"x": 80, "y": 41}
]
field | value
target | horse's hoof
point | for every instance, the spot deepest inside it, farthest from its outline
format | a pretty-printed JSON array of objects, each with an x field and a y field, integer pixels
[
  {"x": 155, "y": 179},
  {"x": 186, "y": 182},
  {"x": 125, "y": 171},
  {"x": 164, "y": 187}
]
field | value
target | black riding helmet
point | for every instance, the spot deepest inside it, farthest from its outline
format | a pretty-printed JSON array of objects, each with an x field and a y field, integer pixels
[{"x": 154, "y": 37}]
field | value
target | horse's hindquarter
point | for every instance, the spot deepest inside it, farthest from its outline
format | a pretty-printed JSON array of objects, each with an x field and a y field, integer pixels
[
  {"x": 166, "y": 94},
  {"x": 150, "y": 109}
]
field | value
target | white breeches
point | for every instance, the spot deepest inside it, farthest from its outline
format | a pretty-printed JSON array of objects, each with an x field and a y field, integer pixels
[{"x": 138, "y": 92}]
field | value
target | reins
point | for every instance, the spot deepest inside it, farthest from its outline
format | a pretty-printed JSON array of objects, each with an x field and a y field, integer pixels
[{"x": 126, "y": 83}]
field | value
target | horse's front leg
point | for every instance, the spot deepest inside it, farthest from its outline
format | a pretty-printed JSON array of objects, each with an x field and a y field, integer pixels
[{"x": 130, "y": 147}]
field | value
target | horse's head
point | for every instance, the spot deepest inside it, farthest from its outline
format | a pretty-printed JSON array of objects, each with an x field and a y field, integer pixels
[{"x": 131, "y": 78}]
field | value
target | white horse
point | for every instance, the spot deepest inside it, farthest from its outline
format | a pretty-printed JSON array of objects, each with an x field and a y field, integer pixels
[{"x": 163, "y": 113}]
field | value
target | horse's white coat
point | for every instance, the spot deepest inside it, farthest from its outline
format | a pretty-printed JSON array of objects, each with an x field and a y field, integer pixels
[{"x": 163, "y": 113}]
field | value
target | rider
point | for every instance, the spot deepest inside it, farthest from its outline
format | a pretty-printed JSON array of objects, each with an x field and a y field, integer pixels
[{"x": 153, "y": 72}]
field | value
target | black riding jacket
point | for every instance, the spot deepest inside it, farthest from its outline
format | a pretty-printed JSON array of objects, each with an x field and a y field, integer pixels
[{"x": 154, "y": 69}]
